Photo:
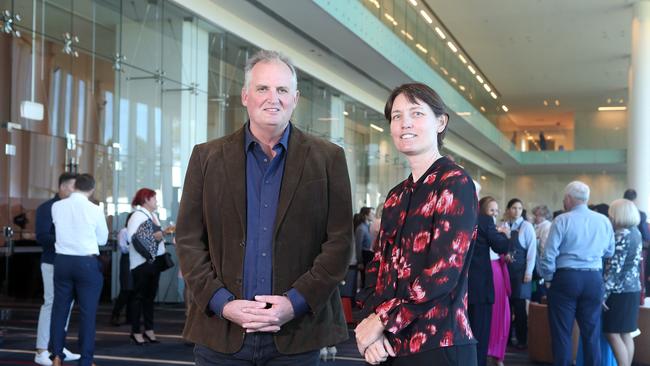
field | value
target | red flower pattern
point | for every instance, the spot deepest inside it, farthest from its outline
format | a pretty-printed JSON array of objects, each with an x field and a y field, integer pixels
[{"x": 417, "y": 283}]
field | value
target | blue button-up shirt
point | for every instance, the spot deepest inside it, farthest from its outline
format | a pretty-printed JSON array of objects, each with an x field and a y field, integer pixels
[
  {"x": 578, "y": 239},
  {"x": 263, "y": 183}
]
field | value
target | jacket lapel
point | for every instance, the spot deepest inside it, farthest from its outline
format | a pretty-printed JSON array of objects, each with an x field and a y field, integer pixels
[
  {"x": 293, "y": 167},
  {"x": 235, "y": 163}
]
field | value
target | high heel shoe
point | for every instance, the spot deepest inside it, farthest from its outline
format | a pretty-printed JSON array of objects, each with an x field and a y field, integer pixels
[
  {"x": 150, "y": 339},
  {"x": 135, "y": 340}
]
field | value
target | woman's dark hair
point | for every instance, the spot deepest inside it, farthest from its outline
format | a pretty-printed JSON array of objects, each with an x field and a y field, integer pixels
[
  {"x": 484, "y": 202},
  {"x": 417, "y": 93},
  {"x": 513, "y": 201},
  {"x": 84, "y": 183},
  {"x": 142, "y": 195},
  {"x": 360, "y": 217}
]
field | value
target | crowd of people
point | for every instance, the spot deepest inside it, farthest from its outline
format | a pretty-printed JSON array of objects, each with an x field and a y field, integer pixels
[{"x": 267, "y": 246}]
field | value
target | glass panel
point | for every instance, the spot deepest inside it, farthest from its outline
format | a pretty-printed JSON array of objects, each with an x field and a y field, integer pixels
[
  {"x": 141, "y": 35},
  {"x": 97, "y": 24}
]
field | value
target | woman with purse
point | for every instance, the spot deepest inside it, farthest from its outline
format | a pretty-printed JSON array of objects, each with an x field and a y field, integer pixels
[{"x": 146, "y": 251}]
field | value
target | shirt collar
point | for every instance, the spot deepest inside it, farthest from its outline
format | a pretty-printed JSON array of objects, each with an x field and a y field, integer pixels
[
  {"x": 78, "y": 195},
  {"x": 249, "y": 138},
  {"x": 581, "y": 207}
]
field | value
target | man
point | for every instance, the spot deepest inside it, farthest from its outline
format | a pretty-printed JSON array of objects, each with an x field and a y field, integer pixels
[
  {"x": 264, "y": 233},
  {"x": 80, "y": 228},
  {"x": 572, "y": 264},
  {"x": 45, "y": 237}
]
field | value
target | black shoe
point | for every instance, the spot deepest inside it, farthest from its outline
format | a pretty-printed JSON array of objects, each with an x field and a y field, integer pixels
[
  {"x": 137, "y": 343},
  {"x": 151, "y": 340}
]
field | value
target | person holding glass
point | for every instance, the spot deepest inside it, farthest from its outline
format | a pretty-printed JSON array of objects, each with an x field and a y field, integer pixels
[
  {"x": 415, "y": 300},
  {"x": 622, "y": 281},
  {"x": 146, "y": 238}
]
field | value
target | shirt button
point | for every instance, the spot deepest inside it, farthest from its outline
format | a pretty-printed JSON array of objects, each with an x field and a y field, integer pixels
[
  {"x": 266, "y": 205},
  {"x": 262, "y": 280},
  {"x": 264, "y": 228},
  {"x": 266, "y": 160},
  {"x": 266, "y": 181},
  {"x": 263, "y": 254}
]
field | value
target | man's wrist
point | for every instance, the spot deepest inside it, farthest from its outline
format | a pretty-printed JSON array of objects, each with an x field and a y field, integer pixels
[{"x": 219, "y": 301}]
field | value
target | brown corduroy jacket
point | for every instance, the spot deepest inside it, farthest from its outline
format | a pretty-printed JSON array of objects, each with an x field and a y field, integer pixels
[{"x": 311, "y": 246}]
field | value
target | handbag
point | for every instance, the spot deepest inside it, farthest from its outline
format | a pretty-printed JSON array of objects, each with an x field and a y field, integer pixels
[{"x": 164, "y": 262}]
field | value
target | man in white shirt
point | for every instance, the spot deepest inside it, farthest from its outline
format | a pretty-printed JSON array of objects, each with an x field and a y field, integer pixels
[{"x": 80, "y": 228}]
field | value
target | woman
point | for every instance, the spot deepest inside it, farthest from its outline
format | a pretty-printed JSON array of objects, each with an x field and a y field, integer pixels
[
  {"x": 622, "y": 281},
  {"x": 126, "y": 282},
  {"x": 521, "y": 266},
  {"x": 481, "y": 290},
  {"x": 542, "y": 223},
  {"x": 417, "y": 288},
  {"x": 500, "y": 324},
  {"x": 146, "y": 238},
  {"x": 363, "y": 244}
]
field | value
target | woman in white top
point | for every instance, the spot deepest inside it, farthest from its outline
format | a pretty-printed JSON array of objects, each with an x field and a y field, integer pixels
[
  {"x": 521, "y": 267},
  {"x": 146, "y": 238}
]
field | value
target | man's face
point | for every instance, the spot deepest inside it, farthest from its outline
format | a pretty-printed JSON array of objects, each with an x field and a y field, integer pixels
[
  {"x": 270, "y": 98},
  {"x": 66, "y": 188}
]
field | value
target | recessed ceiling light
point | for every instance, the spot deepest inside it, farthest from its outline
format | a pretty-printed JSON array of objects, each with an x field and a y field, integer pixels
[
  {"x": 452, "y": 46},
  {"x": 471, "y": 69},
  {"x": 609, "y": 100},
  {"x": 620, "y": 100},
  {"x": 483, "y": 177},
  {"x": 453, "y": 80},
  {"x": 462, "y": 58},
  {"x": 433, "y": 59},
  {"x": 557, "y": 103},
  {"x": 461, "y": 87},
  {"x": 545, "y": 103},
  {"x": 487, "y": 87},
  {"x": 419, "y": 46},
  {"x": 375, "y": 3},
  {"x": 479, "y": 78},
  {"x": 390, "y": 17},
  {"x": 426, "y": 16},
  {"x": 482, "y": 109},
  {"x": 444, "y": 71},
  {"x": 494, "y": 95},
  {"x": 407, "y": 34},
  {"x": 505, "y": 109},
  {"x": 609, "y": 109},
  {"x": 441, "y": 34},
  {"x": 464, "y": 114},
  {"x": 413, "y": 2},
  {"x": 345, "y": 113}
]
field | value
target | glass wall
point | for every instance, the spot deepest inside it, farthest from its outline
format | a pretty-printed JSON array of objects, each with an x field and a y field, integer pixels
[{"x": 128, "y": 88}]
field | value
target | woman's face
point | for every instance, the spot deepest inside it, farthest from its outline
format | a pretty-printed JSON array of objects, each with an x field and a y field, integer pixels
[
  {"x": 414, "y": 127},
  {"x": 493, "y": 209},
  {"x": 151, "y": 204},
  {"x": 539, "y": 218},
  {"x": 515, "y": 210}
]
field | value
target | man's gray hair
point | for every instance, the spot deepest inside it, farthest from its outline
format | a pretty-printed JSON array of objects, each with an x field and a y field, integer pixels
[
  {"x": 268, "y": 56},
  {"x": 577, "y": 190}
]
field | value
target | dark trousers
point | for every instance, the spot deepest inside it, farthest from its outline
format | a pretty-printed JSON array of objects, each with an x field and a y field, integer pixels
[
  {"x": 480, "y": 319},
  {"x": 145, "y": 286},
  {"x": 258, "y": 350},
  {"x": 575, "y": 295},
  {"x": 446, "y": 356},
  {"x": 518, "y": 307},
  {"x": 80, "y": 278},
  {"x": 126, "y": 290}
]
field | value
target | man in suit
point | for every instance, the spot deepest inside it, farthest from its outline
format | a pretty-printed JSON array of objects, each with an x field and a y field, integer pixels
[
  {"x": 480, "y": 282},
  {"x": 264, "y": 233}
]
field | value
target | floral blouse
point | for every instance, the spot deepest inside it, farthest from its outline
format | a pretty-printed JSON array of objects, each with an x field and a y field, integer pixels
[
  {"x": 417, "y": 281},
  {"x": 622, "y": 269}
]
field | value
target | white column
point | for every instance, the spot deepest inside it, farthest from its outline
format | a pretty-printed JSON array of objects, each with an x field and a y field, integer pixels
[{"x": 638, "y": 167}]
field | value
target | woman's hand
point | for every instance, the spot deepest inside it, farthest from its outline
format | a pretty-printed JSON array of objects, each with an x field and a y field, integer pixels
[
  {"x": 379, "y": 351},
  {"x": 527, "y": 278},
  {"x": 368, "y": 331},
  {"x": 158, "y": 235}
]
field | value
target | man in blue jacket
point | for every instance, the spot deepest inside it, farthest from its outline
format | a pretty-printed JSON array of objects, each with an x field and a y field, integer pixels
[{"x": 45, "y": 237}]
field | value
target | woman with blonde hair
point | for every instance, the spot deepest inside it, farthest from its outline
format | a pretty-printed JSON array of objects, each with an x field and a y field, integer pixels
[{"x": 622, "y": 281}]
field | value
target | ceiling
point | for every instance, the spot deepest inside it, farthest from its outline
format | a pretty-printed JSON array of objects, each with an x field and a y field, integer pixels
[{"x": 577, "y": 52}]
